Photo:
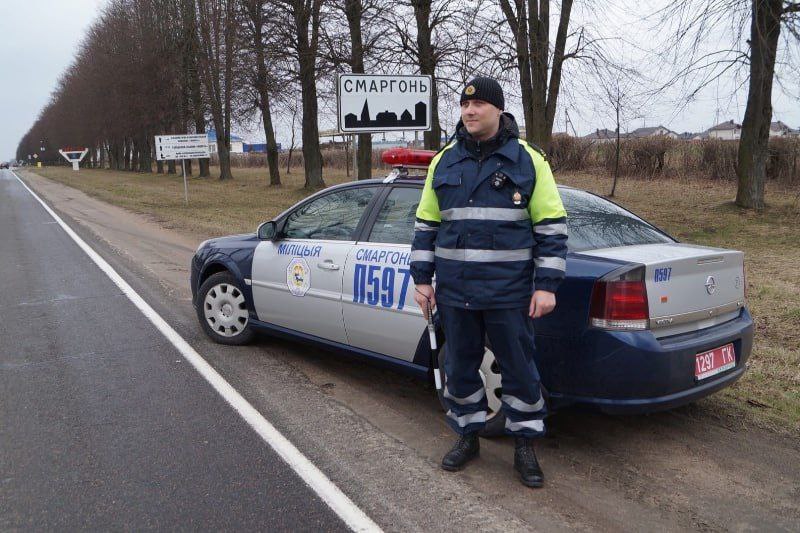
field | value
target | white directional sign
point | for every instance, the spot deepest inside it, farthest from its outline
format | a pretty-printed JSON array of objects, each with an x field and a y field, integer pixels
[
  {"x": 74, "y": 156},
  {"x": 371, "y": 103},
  {"x": 181, "y": 147}
]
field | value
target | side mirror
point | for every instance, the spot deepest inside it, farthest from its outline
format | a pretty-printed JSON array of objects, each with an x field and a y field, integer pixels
[{"x": 268, "y": 231}]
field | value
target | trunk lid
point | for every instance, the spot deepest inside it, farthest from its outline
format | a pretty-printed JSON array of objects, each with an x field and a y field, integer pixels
[{"x": 689, "y": 287}]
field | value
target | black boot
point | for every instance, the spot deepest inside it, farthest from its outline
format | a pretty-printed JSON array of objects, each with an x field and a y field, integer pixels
[
  {"x": 465, "y": 449},
  {"x": 526, "y": 464}
]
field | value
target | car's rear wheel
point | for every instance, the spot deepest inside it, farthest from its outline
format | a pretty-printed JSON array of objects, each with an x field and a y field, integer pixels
[
  {"x": 222, "y": 310},
  {"x": 490, "y": 375}
]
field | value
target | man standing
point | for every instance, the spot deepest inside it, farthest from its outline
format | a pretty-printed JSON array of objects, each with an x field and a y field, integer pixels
[{"x": 491, "y": 224}]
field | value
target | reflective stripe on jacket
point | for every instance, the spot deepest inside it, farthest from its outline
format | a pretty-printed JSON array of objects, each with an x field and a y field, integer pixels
[{"x": 490, "y": 229}]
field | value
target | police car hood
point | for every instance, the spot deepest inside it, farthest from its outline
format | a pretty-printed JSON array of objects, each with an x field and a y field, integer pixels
[{"x": 508, "y": 129}]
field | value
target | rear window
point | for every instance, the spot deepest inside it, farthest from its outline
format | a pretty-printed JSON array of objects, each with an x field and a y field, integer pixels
[{"x": 595, "y": 223}]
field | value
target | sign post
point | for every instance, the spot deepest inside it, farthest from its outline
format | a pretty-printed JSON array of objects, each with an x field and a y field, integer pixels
[{"x": 182, "y": 147}]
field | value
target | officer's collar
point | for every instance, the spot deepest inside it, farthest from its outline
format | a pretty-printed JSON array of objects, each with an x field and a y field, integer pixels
[{"x": 508, "y": 132}]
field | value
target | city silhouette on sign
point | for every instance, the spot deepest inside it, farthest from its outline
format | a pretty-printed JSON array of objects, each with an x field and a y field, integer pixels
[{"x": 388, "y": 119}]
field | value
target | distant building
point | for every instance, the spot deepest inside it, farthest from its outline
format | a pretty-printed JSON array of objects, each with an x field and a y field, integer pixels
[
  {"x": 779, "y": 129},
  {"x": 385, "y": 145},
  {"x": 260, "y": 148},
  {"x": 655, "y": 131},
  {"x": 686, "y": 136},
  {"x": 728, "y": 131},
  {"x": 604, "y": 135},
  {"x": 237, "y": 143}
]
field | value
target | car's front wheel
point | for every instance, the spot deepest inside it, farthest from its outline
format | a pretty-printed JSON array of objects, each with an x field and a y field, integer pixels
[
  {"x": 490, "y": 374},
  {"x": 222, "y": 310}
]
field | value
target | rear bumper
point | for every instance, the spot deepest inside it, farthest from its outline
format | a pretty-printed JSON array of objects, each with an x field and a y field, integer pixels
[
  {"x": 631, "y": 373},
  {"x": 650, "y": 405}
]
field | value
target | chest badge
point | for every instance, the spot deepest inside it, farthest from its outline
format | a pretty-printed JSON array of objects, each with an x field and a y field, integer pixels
[
  {"x": 498, "y": 180},
  {"x": 516, "y": 198}
]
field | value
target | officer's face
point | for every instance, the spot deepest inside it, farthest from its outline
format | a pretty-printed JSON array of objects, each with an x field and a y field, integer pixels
[{"x": 481, "y": 119}]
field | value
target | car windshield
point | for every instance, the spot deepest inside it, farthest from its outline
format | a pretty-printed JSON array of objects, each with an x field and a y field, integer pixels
[{"x": 595, "y": 223}]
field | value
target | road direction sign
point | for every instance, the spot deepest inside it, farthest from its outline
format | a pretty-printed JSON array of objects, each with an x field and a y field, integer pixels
[
  {"x": 375, "y": 103},
  {"x": 181, "y": 147},
  {"x": 74, "y": 156}
]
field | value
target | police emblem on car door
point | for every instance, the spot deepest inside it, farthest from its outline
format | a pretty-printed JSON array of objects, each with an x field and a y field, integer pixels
[{"x": 297, "y": 279}]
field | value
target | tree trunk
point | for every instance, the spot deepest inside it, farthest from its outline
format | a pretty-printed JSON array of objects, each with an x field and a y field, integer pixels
[
  {"x": 188, "y": 167},
  {"x": 765, "y": 27},
  {"x": 353, "y": 10},
  {"x": 364, "y": 156},
  {"x": 307, "y": 53},
  {"x": 127, "y": 155},
  {"x": 262, "y": 87},
  {"x": 171, "y": 167},
  {"x": 427, "y": 65},
  {"x": 529, "y": 21},
  {"x": 224, "y": 153},
  {"x": 145, "y": 157},
  {"x": 272, "y": 145}
]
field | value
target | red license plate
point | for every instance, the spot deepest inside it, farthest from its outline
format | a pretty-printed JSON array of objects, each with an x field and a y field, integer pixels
[{"x": 714, "y": 361}]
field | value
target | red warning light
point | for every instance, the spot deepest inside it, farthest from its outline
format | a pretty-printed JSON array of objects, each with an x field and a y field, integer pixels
[{"x": 408, "y": 158}]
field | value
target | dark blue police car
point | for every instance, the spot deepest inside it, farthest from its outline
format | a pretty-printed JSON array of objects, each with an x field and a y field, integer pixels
[{"x": 643, "y": 322}]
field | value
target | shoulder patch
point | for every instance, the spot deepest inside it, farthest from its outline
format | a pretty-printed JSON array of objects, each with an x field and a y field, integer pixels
[{"x": 534, "y": 147}]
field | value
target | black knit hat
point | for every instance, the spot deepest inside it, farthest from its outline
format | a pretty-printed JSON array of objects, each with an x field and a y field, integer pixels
[{"x": 486, "y": 89}]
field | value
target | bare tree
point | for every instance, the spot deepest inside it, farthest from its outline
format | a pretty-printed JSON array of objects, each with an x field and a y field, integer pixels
[
  {"x": 701, "y": 60},
  {"x": 529, "y": 22},
  {"x": 419, "y": 37},
  {"x": 192, "y": 85},
  {"x": 300, "y": 20},
  {"x": 261, "y": 37},
  {"x": 765, "y": 27},
  {"x": 216, "y": 57}
]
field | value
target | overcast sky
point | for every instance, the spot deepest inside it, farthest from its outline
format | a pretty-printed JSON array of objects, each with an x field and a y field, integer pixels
[{"x": 39, "y": 39}]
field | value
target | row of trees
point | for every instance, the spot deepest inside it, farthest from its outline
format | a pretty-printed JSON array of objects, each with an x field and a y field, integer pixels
[
  {"x": 149, "y": 67},
  {"x": 172, "y": 66}
]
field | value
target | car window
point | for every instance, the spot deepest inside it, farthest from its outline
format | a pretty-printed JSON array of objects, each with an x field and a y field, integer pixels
[
  {"x": 395, "y": 222},
  {"x": 333, "y": 216},
  {"x": 593, "y": 223}
]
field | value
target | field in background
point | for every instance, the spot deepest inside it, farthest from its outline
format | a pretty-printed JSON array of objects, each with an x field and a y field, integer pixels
[
  {"x": 654, "y": 157},
  {"x": 698, "y": 211}
]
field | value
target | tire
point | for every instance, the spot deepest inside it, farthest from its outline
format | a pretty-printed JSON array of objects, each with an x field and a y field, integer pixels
[
  {"x": 222, "y": 310},
  {"x": 490, "y": 372}
]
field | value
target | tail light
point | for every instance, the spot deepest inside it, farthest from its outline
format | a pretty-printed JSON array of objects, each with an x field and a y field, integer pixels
[
  {"x": 406, "y": 157},
  {"x": 619, "y": 301}
]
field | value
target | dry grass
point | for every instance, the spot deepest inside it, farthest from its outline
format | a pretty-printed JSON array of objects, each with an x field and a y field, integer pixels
[
  {"x": 698, "y": 211},
  {"x": 215, "y": 207}
]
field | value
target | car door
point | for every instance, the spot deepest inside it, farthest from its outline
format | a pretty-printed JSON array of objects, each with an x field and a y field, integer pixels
[
  {"x": 379, "y": 310},
  {"x": 297, "y": 280}
]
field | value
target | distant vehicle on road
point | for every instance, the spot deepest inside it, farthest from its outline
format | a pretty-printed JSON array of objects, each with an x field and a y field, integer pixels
[
  {"x": 4, "y": 164},
  {"x": 643, "y": 322}
]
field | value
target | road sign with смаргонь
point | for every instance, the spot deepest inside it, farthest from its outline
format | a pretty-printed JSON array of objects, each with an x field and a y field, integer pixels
[
  {"x": 374, "y": 103},
  {"x": 181, "y": 147}
]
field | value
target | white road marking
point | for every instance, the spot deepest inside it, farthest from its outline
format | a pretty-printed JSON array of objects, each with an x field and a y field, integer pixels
[{"x": 354, "y": 517}]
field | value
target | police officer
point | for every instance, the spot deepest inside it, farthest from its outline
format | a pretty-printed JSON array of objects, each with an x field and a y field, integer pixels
[{"x": 492, "y": 227}]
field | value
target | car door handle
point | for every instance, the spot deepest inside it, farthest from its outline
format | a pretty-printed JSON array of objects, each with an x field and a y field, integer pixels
[{"x": 328, "y": 265}]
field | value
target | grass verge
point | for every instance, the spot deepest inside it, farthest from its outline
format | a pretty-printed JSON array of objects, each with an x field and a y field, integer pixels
[{"x": 697, "y": 211}]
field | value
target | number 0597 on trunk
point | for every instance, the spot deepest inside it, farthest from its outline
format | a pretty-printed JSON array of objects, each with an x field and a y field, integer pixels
[{"x": 714, "y": 361}]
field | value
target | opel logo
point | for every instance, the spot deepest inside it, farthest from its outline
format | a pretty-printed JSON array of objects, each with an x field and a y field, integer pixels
[{"x": 711, "y": 285}]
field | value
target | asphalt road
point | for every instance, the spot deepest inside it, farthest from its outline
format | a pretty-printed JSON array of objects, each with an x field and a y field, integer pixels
[{"x": 103, "y": 424}]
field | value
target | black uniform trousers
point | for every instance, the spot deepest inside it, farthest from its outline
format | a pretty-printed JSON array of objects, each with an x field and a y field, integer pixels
[{"x": 511, "y": 339}]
